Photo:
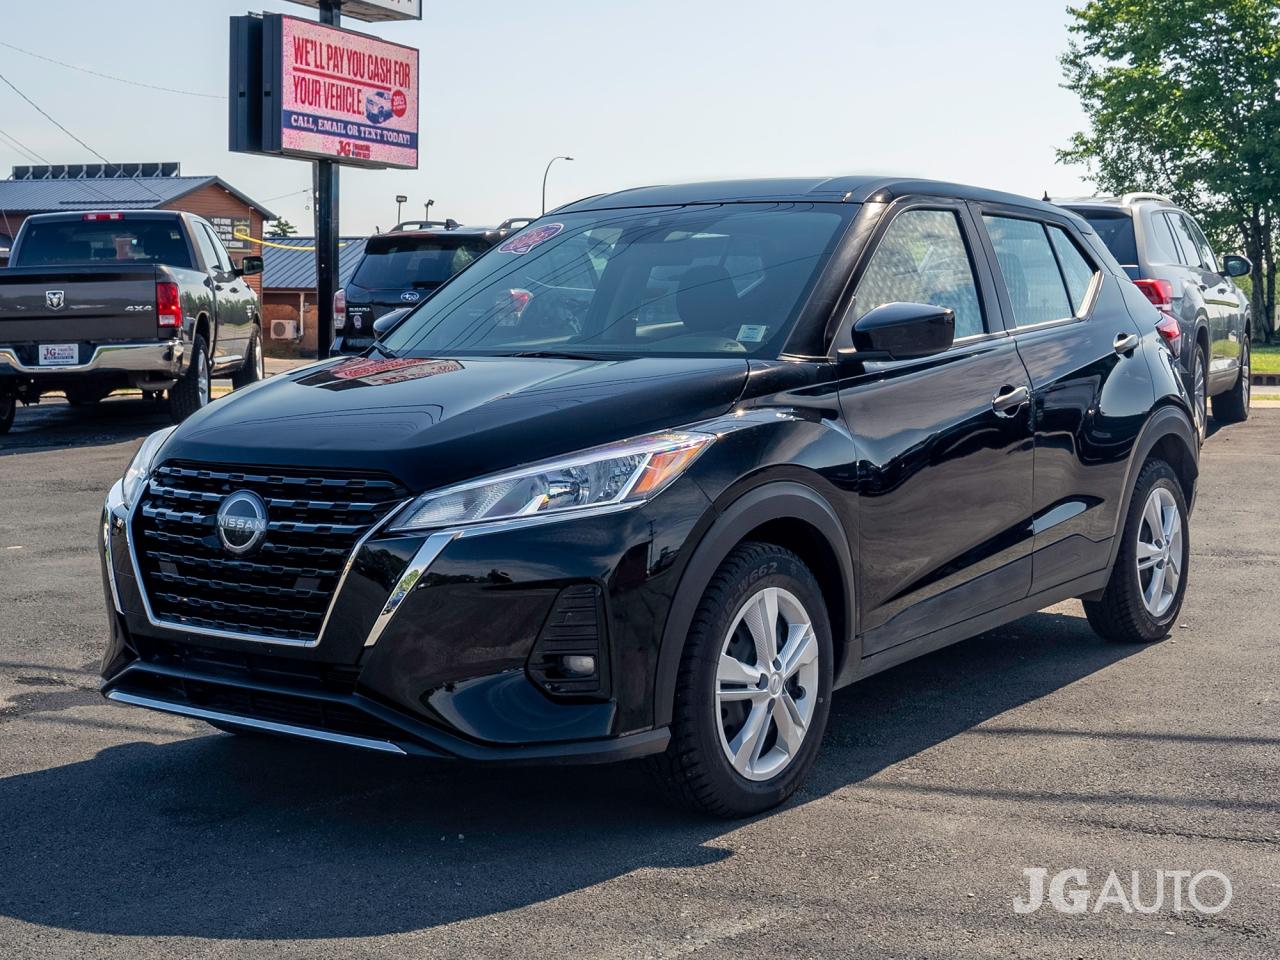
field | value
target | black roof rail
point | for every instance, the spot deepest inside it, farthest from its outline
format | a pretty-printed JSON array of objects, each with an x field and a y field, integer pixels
[
  {"x": 510, "y": 222},
  {"x": 449, "y": 224}
]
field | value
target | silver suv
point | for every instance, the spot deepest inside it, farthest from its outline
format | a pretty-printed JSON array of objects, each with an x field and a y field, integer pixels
[{"x": 1165, "y": 253}]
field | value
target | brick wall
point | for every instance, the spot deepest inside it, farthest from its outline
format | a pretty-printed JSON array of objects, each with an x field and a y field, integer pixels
[
  {"x": 284, "y": 305},
  {"x": 213, "y": 201}
]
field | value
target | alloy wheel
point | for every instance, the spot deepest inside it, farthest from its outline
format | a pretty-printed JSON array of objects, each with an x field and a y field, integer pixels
[
  {"x": 202, "y": 378},
  {"x": 259, "y": 365},
  {"x": 1201, "y": 399},
  {"x": 1159, "y": 554},
  {"x": 767, "y": 684},
  {"x": 1245, "y": 384}
]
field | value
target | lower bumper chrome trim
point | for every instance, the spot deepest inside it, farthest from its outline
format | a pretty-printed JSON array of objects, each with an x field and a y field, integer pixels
[
  {"x": 161, "y": 356},
  {"x": 287, "y": 729}
]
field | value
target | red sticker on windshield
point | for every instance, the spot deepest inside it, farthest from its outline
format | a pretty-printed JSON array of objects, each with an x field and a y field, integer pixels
[{"x": 528, "y": 239}]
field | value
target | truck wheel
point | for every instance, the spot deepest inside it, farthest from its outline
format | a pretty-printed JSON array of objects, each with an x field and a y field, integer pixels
[
  {"x": 191, "y": 393},
  {"x": 754, "y": 687},
  {"x": 1233, "y": 406},
  {"x": 1144, "y": 595},
  {"x": 8, "y": 407},
  {"x": 251, "y": 371}
]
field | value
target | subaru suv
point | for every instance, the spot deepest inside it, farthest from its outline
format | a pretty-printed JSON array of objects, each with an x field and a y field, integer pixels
[
  {"x": 739, "y": 445},
  {"x": 1164, "y": 251},
  {"x": 402, "y": 267}
]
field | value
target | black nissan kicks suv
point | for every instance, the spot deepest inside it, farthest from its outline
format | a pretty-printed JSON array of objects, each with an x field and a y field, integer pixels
[{"x": 659, "y": 472}]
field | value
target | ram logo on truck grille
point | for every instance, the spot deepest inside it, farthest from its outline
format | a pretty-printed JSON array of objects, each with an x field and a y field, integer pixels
[
  {"x": 242, "y": 521},
  {"x": 56, "y": 299}
]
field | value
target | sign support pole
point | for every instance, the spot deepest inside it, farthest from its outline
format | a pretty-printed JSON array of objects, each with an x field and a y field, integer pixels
[{"x": 326, "y": 200}]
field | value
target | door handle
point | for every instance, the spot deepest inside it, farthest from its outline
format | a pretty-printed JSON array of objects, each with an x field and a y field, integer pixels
[
  {"x": 1008, "y": 399},
  {"x": 1125, "y": 343}
]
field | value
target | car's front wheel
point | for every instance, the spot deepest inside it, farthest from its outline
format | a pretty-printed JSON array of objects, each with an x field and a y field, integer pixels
[
  {"x": 754, "y": 688},
  {"x": 1144, "y": 595}
]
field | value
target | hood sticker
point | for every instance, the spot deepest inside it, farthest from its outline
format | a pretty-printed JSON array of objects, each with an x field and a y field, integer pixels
[
  {"x": 365, "y": 372},
  {"x": 526, "y": 240}
]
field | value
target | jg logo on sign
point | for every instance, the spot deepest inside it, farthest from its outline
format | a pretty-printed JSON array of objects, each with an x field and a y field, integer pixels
[{"x": 242, "y": 521}]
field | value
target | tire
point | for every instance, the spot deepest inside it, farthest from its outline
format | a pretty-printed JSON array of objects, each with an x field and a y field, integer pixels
[
  {"x": 1200, "y": 392},
  {"x": 1130, "y": 610},
  {"x": 1233, "y": 406},
  {"x": 8, "y": 410},
  {"x": 696, "y": 768},
  {"x": 86, "y": 396},
  {"x": 192, "y": 392},
  {"x": 251, "y": 371}
]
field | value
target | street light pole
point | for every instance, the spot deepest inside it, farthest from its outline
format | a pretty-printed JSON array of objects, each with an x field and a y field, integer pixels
[
  {"x": 400, "y": 198},
  {"x": 426, "y": 209},
  {"x": 544, "y": 180}
]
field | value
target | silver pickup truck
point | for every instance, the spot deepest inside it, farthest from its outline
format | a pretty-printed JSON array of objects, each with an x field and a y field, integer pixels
[{"x": 144, "y": 299}]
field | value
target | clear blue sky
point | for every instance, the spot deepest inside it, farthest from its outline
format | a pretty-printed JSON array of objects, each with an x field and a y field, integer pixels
[{"x": 639, "y": 92}]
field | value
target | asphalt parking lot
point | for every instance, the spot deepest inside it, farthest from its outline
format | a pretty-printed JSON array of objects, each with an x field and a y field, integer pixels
[{"x": 130, "y": 834}]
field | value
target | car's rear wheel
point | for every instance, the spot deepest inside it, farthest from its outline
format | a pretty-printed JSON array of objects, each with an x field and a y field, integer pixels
[
  {"x": 192, "y": 392},
  {"x": 1144, "y": 595},
  {"x": 8, "y": 409},
  {"x": 1233, "y": 406},
  {"x": 754, "y": 688},
  {"x": 253, "y": 369}
]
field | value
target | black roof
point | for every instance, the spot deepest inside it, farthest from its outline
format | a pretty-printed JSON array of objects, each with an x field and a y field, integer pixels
[{"x": 848, "y": 189}]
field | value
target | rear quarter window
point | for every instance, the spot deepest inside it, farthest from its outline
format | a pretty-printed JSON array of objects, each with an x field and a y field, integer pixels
[{"x": 1115, "y": 229}]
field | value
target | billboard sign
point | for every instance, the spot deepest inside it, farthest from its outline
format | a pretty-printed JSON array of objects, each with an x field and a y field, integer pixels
[
  {"x": 370, "y": 10},
  {"x": 234, "y": 232},
  {"x": 340, "y": 95}
]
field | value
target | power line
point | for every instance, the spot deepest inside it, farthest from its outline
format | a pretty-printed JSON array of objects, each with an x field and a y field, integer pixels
[
  {"x": 41, "y": 111},
  {"x": 107, "y": 76},
  {"x": 26, "y": 152},
  {"x": 291, "y": 193}
]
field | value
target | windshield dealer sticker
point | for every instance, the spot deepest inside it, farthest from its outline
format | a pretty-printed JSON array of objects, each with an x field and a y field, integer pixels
[
  {"x": 752, "y": 332},
  {"x": 522, "y": 243}
]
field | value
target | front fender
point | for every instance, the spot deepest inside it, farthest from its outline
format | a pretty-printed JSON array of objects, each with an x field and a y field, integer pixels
[{"x": 777, "y": 500}]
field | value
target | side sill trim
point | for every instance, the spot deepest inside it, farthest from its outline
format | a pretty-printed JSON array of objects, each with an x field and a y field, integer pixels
[{"x": 199, "y": 713}]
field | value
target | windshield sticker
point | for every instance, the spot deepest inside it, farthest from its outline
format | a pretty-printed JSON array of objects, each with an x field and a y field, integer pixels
[
  {"x": 525, "y": 241},
  {"x": 752, "y": 332}
]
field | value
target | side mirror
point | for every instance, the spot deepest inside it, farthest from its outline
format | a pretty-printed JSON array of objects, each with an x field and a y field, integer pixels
[
  {"x": 389, "y": 321},
  {"x": 249, "y": 266},
  {"x": 1234, "y": 265},
  {"x": 903, "y": 331}
]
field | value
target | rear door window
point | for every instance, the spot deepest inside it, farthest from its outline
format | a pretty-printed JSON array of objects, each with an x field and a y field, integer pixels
[
  {"x": 1188, "y": 255},
  {"x": 1037, "y": 290},
  {"x": 1161, "y": 247},
  {"x": 1207, "y": 259}
]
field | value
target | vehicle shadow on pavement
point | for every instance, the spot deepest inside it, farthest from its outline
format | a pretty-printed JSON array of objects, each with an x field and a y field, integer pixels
[
  {"x": 55, "y": 423},
  {"x": 224, "y": 837}
]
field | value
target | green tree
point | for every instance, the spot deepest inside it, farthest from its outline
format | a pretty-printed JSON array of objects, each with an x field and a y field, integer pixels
[
  {"x": 282, "y": 228},
  {"x": 1183, "y": 98}
]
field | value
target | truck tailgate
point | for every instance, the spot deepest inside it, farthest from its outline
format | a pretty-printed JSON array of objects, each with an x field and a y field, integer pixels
[{"x": 88, "y": 304}]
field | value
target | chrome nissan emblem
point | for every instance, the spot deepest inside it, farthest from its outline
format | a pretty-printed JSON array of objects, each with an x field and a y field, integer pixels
[{"x": 242, "y": 521}]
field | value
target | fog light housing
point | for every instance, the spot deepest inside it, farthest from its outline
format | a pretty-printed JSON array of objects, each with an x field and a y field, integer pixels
[{"x": 570, "y": 658}]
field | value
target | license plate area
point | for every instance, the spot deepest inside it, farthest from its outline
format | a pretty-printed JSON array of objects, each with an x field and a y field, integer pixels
[{"x": 59, "y": 354}]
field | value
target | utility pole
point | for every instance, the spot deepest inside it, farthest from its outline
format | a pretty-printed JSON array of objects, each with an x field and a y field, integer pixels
[{"x": 326, "y": 190}]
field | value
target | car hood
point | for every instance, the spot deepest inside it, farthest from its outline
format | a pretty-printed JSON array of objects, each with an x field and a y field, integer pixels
[{"x": 439, "y": 421}]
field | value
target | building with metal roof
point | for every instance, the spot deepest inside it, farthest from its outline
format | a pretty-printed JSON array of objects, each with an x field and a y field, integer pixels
[{"x": 289, "y": 294}]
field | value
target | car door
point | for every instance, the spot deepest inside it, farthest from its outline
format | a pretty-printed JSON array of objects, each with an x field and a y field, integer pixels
[
  {"x": 1227, "y": 318},
  {"x": 1090, "y": 386},
  {"x": 1210, "y": 289},
  {"x": 944, "y": 443},
  {"x": 234, "y": 300}
]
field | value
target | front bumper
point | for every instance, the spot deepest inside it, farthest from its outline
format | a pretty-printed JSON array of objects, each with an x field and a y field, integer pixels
[
  {"x": 163, "y": 358},
  {"x": 431, "y": 641}
]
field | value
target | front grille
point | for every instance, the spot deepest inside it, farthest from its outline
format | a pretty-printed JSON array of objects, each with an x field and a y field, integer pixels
[{"x": 282, "y": 589}]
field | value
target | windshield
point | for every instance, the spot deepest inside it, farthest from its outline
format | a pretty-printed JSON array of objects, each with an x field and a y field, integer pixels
[
  {"x": 402, "y": 262},
  {"x": 703, "y": 280},
  {"x": 103, "y": 241}
]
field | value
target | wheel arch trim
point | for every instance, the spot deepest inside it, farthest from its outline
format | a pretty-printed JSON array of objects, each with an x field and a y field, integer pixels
[{"x": 776, "y": 500}]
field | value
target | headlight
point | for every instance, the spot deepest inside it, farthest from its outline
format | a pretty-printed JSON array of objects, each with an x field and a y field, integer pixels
[
  {"x": 617, "y": 474},
  {"x": 134, "y": 478}
]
